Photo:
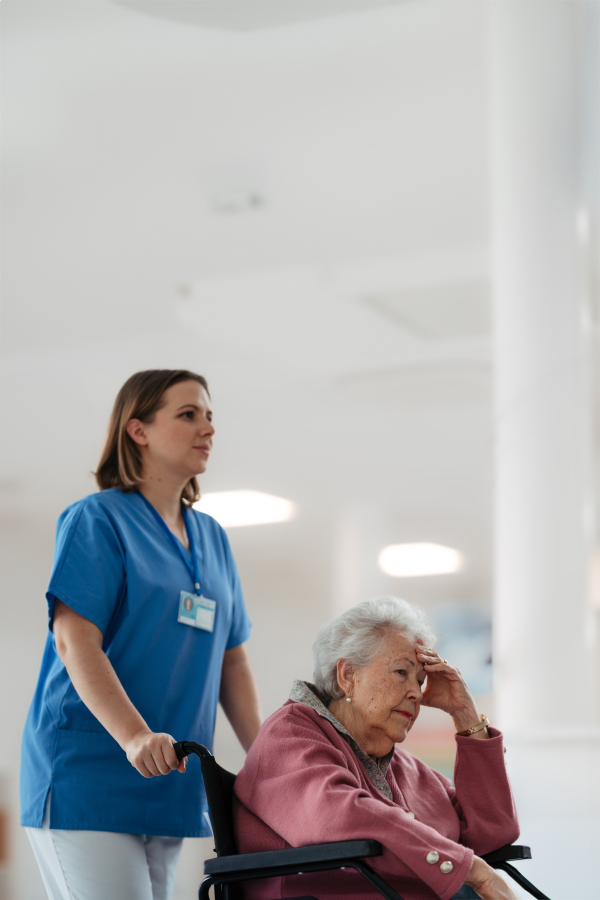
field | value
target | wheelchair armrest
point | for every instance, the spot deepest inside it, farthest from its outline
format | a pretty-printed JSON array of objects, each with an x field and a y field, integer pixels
[
  {"x": 319, "y": 855},
  {"x": 509, "y": 851}
]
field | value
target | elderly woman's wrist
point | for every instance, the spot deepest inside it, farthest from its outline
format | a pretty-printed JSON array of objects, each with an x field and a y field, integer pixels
[
  {"x": 478, "y": 872},
  {"x": 466, "y": 718}
]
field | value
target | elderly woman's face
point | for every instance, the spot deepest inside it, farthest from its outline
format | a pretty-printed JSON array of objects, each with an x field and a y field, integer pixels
[{"x": 386, "y": 694}]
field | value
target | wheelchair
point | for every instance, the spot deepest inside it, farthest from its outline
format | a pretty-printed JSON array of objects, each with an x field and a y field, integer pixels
[{"x": 230, "y": 868}]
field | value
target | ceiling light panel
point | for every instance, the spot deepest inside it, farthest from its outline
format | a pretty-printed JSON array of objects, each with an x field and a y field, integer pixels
[
  {"x": 414, "y": 560},
  {"x": 233, "y": 509}
]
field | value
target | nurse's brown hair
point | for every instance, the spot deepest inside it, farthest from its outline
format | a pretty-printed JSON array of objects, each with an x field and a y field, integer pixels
[{"x": 140, "y": 398}]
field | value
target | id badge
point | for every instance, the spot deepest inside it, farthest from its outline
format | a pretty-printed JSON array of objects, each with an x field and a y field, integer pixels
[{"x": 197, "y": 611}]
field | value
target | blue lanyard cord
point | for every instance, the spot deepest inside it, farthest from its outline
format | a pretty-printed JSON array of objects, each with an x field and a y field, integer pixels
[
  {"x": 188, "y": 531},
  {"x": 194, "y": 569}
]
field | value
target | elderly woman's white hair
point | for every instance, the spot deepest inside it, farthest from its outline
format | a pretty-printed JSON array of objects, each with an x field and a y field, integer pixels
[{"x": 358, "y": 634}]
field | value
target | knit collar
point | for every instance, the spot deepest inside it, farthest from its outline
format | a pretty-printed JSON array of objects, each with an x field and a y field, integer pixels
[{"x": 307, "y": 694}]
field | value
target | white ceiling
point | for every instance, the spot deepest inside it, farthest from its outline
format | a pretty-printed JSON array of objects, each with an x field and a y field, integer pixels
[
  {"x": 250, "y": 15},
  {"x": 283, "y": 209}
]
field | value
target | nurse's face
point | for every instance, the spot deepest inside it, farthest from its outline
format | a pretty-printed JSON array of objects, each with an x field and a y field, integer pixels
[{"x": 179, "y": 439}]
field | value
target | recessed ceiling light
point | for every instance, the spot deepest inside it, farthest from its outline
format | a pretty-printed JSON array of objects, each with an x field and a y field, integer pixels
[
  {"x": 413, "y": 560},
  {"x": 235, "y": 508}
]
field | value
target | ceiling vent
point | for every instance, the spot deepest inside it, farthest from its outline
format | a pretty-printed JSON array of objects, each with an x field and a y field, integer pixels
[
  {"x": 422, "y": 386},
  {"x": 440, "y": 311}
]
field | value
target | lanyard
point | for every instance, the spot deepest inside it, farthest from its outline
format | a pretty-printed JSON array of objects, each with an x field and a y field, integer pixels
[{"x": 193, "y": 569}]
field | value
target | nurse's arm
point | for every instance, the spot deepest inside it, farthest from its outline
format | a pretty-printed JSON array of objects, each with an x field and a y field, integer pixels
[
  {"x": 239, "y": 695},
  {"x": 79, "y": 645}
]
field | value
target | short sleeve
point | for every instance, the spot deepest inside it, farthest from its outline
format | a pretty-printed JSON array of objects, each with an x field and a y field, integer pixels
[
  {"x": 240, "y": 623},
  {"x": 88, "y": 574}
]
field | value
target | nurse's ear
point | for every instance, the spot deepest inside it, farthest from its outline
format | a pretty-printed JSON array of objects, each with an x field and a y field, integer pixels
[{"x": 137, "y": 432}]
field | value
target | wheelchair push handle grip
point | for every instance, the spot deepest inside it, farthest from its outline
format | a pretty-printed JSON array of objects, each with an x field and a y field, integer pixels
[{"x": 186, "y": 748}]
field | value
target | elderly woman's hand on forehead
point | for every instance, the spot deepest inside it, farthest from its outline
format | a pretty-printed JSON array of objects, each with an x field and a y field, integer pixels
[{"x": 447, "y": 690}]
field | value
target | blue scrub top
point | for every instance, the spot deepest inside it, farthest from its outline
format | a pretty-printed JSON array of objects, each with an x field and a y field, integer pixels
[{"x": 115, "y": 565}]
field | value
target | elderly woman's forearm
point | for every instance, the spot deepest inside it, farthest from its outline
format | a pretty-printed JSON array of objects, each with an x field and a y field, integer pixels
[{"x": 482, "y": 795}]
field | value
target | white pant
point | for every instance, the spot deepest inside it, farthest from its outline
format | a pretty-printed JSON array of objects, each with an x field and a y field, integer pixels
[{"x": 96, "y": 865}]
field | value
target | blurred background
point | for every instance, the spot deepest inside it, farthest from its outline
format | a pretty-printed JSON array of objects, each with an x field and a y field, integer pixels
[{"x": 373, "y": 226}]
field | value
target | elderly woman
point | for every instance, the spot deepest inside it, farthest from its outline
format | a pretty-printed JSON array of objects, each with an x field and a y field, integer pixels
[{"x": 325, "y": 767}]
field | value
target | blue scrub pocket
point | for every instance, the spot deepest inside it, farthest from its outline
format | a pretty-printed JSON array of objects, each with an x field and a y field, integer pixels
[{"x": 94, "y": 787}]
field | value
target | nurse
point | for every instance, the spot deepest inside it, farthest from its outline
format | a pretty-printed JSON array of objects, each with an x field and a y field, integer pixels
[{"x": 147, "y": 626}]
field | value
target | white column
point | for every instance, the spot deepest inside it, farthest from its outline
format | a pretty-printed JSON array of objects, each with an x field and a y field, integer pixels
[
  {"x": 545, "y": 333},
  {"x": 545, "y": 523}
]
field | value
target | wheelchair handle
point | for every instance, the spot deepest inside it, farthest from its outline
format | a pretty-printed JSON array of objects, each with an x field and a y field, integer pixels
[{"x": 186, "y": 748}]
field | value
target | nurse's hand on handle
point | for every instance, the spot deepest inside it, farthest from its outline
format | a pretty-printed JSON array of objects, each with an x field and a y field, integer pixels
[
  {"x": 486, "y": 882},
  {"x": 152, "y": 754}
]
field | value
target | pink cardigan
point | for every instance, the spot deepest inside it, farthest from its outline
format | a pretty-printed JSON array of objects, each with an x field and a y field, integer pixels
[{"x": 303, "y": 784}]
